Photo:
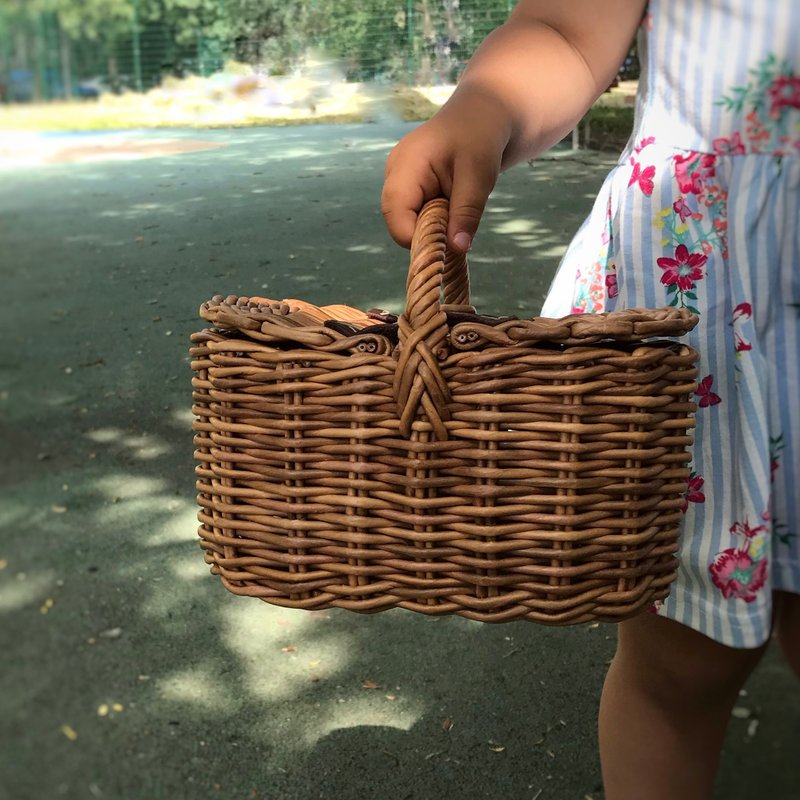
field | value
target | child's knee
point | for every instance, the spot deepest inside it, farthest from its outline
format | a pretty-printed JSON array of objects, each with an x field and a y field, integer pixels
[
  {"x": 787, "y": 628},
  {"x": 678, "y": 666}
]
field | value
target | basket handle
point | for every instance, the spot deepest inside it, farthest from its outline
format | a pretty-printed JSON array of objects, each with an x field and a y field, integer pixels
[{"x": 423, "y": 331}]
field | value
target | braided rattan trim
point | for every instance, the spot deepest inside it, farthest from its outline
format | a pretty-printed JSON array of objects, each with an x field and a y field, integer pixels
[{"x": 288, "y": 321}]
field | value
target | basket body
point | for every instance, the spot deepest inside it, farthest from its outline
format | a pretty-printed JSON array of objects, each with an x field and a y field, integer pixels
[{"x": 555, "y": 497}]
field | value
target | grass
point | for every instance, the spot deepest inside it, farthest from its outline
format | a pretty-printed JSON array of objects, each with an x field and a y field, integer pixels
[
  {"x": 610, "y": 120},
  {"x": 609, "y": 127},
  {"x": 157, "y": 109}
]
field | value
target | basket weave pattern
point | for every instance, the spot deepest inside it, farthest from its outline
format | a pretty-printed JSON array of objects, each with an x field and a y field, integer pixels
[{"x": 494, "y": 468}]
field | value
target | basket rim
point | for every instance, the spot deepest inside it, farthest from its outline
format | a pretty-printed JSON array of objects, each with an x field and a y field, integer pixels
[{"x": 296, "y": 321}]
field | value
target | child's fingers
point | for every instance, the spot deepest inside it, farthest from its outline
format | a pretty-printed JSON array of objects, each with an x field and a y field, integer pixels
[
  {"x": 403, "y": 196},
  {"x": 473, "y": 181},
  {"x": 399, "y": 205}
]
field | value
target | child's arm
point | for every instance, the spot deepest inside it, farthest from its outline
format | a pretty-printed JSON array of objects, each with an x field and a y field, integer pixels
[{"x": 525, "y": 88}]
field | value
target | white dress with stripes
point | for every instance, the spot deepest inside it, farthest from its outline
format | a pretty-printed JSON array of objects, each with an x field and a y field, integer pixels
[{"x": 703, "y": 211}]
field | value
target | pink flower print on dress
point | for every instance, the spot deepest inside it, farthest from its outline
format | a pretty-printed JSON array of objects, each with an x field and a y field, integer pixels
[
  {"x": 684, "y": 270},
  {"x": 644, "y": 143},
  {"x": 757, "y": 132},
  {"x": 740, "y": 572},
  {"x": 742, "y": 346},
  {"x": 736, "y": 574},
  {"x": 681, "y": 208},
  {"x": 784, "y": 93},
  {"x": 742, "y": 313},
  {"x": 656, "y": 607},
  {"x": 746, "y": 529},
  {"x": 773, "y": 88},
  {"x": 693, "y": 170},
  {"x": 694, "y": 491},
  {"x": 644, "y": 177},
  {"x": 730, "y": 147},
  {"x": 611, "y": 285},
  {"x": 704, "y": 393}
]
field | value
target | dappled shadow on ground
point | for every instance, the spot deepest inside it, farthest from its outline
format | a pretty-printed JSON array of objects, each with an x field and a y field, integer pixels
[{"x": 104, "y": 596}]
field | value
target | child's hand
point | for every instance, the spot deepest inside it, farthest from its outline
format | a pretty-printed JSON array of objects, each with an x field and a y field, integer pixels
[
  {"x": 526, "y": 87},
  {"x": 457, "y": 155}
]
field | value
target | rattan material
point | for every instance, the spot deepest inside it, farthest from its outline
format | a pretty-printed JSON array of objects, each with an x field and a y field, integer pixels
[{"x": 494, "y": 468}]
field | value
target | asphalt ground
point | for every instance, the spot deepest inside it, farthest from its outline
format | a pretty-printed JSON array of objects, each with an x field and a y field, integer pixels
[{"x": 128, "y": 672}]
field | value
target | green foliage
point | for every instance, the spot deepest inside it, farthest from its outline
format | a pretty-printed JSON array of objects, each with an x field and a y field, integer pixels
[
  {"x": 350, "y": 30},
  {"x": 93, "y": 19},
  {"x": 422, "y": 40},
  {"x": 88, "y": 19}
]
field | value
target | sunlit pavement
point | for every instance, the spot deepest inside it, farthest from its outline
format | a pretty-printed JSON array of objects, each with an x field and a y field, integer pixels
[
  {"x": 128, "y": 671},
  {"x": 27, "y": 149}
]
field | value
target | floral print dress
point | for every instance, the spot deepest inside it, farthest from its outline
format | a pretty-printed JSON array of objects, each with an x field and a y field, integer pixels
[{"x": 703, "y": 212}]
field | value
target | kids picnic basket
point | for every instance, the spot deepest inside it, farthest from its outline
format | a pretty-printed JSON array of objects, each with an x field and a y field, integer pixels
[{"x": 444, "y": 462}]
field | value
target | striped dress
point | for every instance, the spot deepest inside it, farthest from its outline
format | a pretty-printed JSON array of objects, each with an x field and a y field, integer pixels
[{"x": 703, "y": 211}]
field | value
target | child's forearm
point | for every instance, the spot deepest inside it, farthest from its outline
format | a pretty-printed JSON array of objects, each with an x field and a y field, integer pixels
[
  {"x": 546, "y": 66},
  {"x": 524, "y": 89}
]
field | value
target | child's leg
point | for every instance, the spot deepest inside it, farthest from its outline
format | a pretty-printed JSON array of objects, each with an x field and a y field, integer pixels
[
  {"x": 787, "y": 627},
  {"x": 666, "y": 703}
]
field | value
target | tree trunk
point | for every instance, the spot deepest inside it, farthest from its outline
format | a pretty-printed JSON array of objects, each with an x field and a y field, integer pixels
[
  {"x": 66, "y": 63},
  {"x": 113, "y": 76}
]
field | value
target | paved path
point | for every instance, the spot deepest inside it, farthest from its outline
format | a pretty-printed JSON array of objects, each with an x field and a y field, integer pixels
[{"x": 127, "y": 671}]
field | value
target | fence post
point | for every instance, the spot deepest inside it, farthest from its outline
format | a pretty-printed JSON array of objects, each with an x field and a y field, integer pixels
[
  {"x": 65, "y": 48},
  {"x": 5, "y": 56},
  {"x": 201, "y": 69},
  {"x": 410, "y": 36},
  {"x": 41, "y": 57},
  {"x": 137, "y": 46},
  {"x": 54, "y": 76}
]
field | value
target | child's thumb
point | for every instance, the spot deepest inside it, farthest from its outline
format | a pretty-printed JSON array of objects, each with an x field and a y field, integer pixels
[{"x": 468, "y": 198}]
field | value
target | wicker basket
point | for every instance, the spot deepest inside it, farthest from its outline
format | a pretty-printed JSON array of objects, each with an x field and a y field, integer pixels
[{"x": 494, "y": 468}]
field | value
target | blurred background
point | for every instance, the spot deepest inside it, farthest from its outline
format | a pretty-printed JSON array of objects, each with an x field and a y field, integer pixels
[
  {"x": 154, "y": 153},
  {"x": 111, "y": 64}
]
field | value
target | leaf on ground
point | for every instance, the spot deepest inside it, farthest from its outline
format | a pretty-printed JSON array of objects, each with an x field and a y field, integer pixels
[
  {"x": 370, "y": 685},
  {"x": 111, "y": 633},
  {"x": 288, "y": 649},
  {"x": 102, "y": 710},
  {"x": 496, "y": 748},
  {"x": 69, "y": 732},
  {"x": 740, "y": 712},
  {"x": 58, "y": 509},
  {"x": 46, "y": 606},
  {"x": 447, "y": 724},
  {"x": 3, "y": 563}
]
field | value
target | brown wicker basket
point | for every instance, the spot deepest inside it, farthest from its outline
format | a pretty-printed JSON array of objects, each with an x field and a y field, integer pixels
[{"x": 494, "y": 468}]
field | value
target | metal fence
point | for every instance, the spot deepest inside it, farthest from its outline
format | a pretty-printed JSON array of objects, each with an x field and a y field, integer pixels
[
  {"x": 409, "y": 41},
  {"x": 419, "y": 42}
]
